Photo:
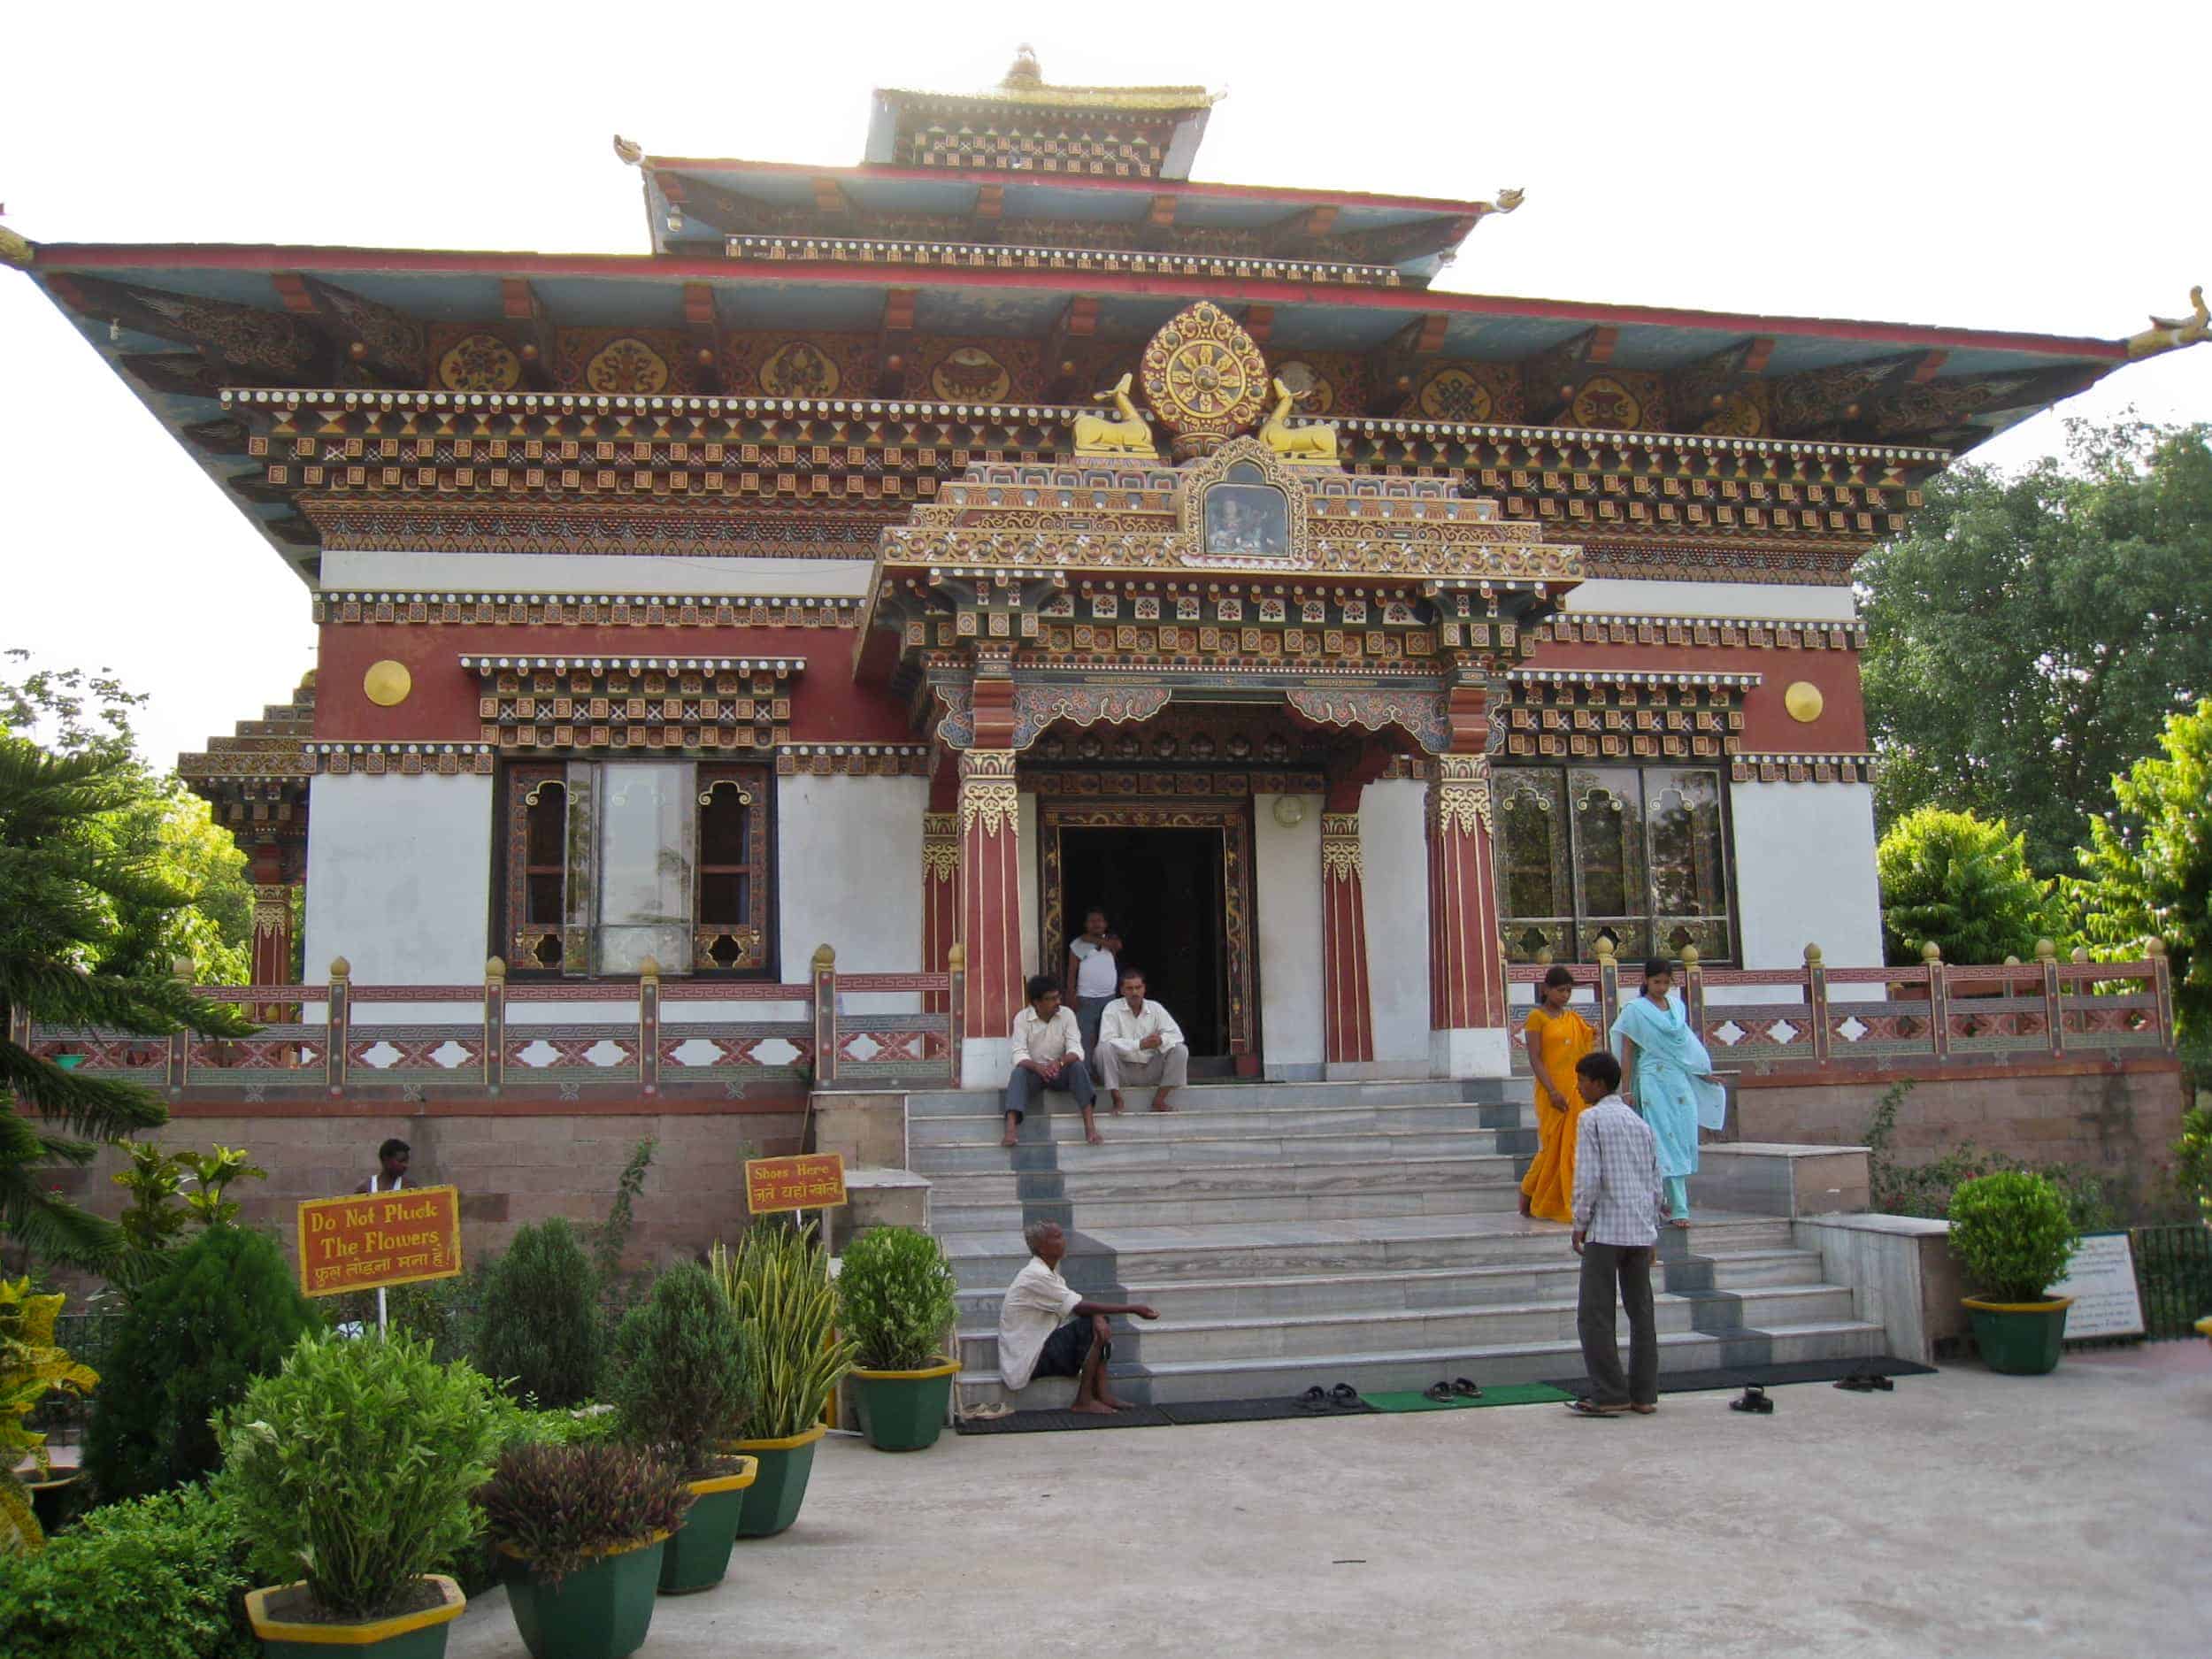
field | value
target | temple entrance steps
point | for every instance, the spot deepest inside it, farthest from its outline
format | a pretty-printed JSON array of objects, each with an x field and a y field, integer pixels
[{"x": 1299, "y": 1233}]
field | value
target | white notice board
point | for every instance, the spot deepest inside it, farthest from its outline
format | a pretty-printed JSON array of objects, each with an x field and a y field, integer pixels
[{"x": 2100, "y": 1279}]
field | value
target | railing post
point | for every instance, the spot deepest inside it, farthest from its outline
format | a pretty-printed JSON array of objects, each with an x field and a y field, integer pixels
[
  {"x": 648, "y": 1025},
  {"x": 179, "y": 1041},
  {"x": 338, "y": 1020},
  {"x": 2053, "y": 1014},
  {"x": 1693, "y": 992},
  {"x": 1938, "y": 998},
  {"x": 1816, "y": 1001},
  {"x": 956, "y": 973},
  {"x": 494, "y": 1024},
  {"x": 2161, "y": 990},
  {"x": 1609, "y": 987},
  {"x": 825, "y": 1017}
]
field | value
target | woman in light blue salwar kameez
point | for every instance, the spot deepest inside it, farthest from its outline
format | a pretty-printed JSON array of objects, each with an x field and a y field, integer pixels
[{"x": 1667, "y": 1075}]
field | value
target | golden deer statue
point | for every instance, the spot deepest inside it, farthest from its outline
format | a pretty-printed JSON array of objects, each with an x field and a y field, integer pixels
[
  {"x": 1295, "y": 443},
  {"x": 1127, "y": 432}
]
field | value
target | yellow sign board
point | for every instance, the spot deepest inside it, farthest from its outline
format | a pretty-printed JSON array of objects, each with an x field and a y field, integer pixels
[
  {"x": 812, "y": 1182},
  {"x": 371, "y": 1239}
]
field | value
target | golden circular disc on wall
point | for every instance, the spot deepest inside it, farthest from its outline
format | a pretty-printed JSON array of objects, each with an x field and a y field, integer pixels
[
  {"x": 1290, "y": 811},
  {"x": 1804, "y": 702},
  {"x": 388, "y": 683}
]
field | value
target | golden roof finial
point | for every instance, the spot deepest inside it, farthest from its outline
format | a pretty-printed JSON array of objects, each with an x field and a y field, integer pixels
[{"x": 1024, "y": 71}]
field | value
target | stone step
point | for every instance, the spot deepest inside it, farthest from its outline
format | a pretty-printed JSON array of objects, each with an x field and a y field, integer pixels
[
  {"x": 1263, "y": 1210},
  {"x": 1101, "y": 1257},
  {"x": 1264, "y": 1096},
  {"x": 1292, "y": 1294},
  {"x": 1061, "y": 1122},
  {"x": 1377, "y": 1372},
  {"x": 1208, "y": 1184},
  {"x": 1174, "y": 1155},
  {"x": 1169, "y": 1341}
]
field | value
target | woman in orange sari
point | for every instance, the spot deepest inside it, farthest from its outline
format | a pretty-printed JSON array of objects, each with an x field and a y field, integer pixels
[{"x": 1557, "y": 1037}]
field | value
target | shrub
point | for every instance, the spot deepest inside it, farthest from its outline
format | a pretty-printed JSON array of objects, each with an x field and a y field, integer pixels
[
  {"x": 159, "y": 1578},
  {"x": 896, "y": 1288},
  {"x": 679, "y": 1370},
  {"x": 539, "y": 1330},
  {"x": 1963, "y": 883},
  {"x": 1925, "y": 1189},
  {"x": 2012, "y": 1232},
  {"x": 356, "y": 1463},
  {"x": 31, "y": 1367},
  {"x": 778, "y": 1283},
  {"x": 223, "y": 1312},
  {"x": 554, "y": 1506}
]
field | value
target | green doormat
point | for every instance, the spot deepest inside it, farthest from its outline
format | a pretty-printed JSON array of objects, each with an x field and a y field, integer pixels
[{"x": 1526, "y": 1394}]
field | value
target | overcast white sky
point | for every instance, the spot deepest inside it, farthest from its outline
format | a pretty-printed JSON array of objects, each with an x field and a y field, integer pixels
[{"x": 2025, "y": 166}]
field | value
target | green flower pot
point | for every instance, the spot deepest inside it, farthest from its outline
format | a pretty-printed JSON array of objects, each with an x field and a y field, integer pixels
[
  {"x": 284, "y": 1634},
  {"x": 699, "y": 1555},
  {"x": 600, "y": 1611},
  {"x": 2023, "y": 1339},
  {"x": 904, "y": 1410},
  {"x": 771, "y": 1502}
]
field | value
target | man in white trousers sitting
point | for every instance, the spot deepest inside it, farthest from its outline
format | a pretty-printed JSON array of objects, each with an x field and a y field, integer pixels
[{"x": 1140, "y": 1044}]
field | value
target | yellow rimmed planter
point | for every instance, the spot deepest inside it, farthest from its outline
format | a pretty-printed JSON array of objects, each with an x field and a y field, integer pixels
[
  {"x": 699, "y": 1554},
  {"x": 904, "y": 1410},
  {"x": 2022, "y": 1339},
  {"x": 421, "y": 1634},
  {"x": 771, "y": 1502},
  {"x": 601, "y": 1610}
]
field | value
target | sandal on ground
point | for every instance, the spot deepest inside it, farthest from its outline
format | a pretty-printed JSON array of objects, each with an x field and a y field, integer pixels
[
  {"x": 1643, "y": 1411},
  {"x": 1344, "y": 1394},
  {"x": 1755, "y": 1400},
  {"x": 991, "y": 1413},
  {"x": 1315, "y": 1399},
  {"x": 1464, "y": 1387},
  {"x": 1440, "y": 1392},
  {"x": 1586, "y": 1407},
  {"x": 1858, "y": 1383}
]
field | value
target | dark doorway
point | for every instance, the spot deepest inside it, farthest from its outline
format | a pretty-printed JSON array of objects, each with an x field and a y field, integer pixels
[{"x": 1160, "y": 890}]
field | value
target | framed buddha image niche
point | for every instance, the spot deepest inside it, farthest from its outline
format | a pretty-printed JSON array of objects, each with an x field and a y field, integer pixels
[{"x": 1246, "y": 520}]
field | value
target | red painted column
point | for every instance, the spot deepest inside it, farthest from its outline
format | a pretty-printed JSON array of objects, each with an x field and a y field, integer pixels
[
  {"x": 941, "y": 896},
  {"x": 990, "y": 909},
  {"x": 273, "y": 933},
  {"x": 1467, "y": 1002},
  {"x": 1349, "y": 1026}
]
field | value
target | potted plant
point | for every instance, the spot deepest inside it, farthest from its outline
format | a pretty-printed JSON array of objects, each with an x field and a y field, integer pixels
[
  {"x": 31, "y": 1367},
  {"x": 896, "y": 1289},
  {"x": 356, "y": 1464},
  {"x": 2012, "y": 1234},
  {"x": 778, "y": 1283},
  {"x": 679, "y": 1391},
  {"x": 584, "y": 1527}
]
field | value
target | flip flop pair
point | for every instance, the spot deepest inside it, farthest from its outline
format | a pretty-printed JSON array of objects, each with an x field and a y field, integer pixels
[
  {"x": 1458, "y": 1388},
  {"x": 1755, "y": 1400},
  {"x": 1867, "y": 1382},
  {"x": 1319, "y": 1399}
]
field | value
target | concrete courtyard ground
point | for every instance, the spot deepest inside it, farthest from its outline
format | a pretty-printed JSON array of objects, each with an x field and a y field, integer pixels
[{"x": 1965, "y": 1513}]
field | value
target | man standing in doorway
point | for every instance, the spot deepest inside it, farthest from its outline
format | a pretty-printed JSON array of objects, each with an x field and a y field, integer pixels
[
  {"x": 1140, "y": 1044},
  {"x": 1048, "y": 1053},
  {"x": 1617, "y": 1203},
  {"x": 391, "y": 1168},
  {"x": 1045, "y": 1329},
  {"x": 1094, "y": 968}
]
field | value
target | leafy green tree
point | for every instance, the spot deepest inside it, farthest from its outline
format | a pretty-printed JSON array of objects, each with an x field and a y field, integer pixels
[
  {"x": 540, "y": 1333},
  {"x": 2148, "y": 867},
  {"x": 1951, "y": 880},
  {"x": 2030, "y": 634},
  {"x": 66, "y": 888}
]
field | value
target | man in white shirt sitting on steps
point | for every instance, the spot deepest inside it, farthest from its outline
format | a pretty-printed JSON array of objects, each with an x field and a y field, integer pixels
[
  {"x": 1048, "y": 1053},
  {"x": 1045, "y": 1329},
  {"x": 1140, "y": 1044}
]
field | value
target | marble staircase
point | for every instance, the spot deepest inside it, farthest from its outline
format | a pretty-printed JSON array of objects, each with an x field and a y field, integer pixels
[{"x": 1293, "y": 1233}]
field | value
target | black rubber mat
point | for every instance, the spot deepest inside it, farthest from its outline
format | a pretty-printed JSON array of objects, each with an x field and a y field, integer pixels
[
  {"x": 1803, "y": 1370},
  {"x": 1040, "y": 1422},
  {"x": 1256, "y": 1410}
]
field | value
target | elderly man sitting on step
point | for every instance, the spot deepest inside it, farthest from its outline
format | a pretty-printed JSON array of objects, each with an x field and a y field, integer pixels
[
  {"x": 1140, "y": 1044},
  {"x": 1047, "y": 1330}
]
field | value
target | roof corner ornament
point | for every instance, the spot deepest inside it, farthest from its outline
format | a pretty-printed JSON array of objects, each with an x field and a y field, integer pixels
[
  {"x": 17, "y": 250},
  {"x": 1127, "y": 432},
  {"x": 1508, "y": 200},
  {"x": 1315, "y": 442},
  {"x": 628, "y": 151},
  {"x": 2171, "y": 333}
]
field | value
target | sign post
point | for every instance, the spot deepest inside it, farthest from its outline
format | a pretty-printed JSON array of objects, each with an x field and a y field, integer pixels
[
  {"x": 369, "y": 1240},
  {"x": 813, "y": 1180}
]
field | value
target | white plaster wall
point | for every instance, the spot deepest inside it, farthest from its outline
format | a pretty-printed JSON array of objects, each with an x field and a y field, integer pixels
[
  {"x": 1033, "y": 916},
  {"x": 399, "y": 878},
  {"x": 1393, "y": 848},
  {"x": 1286, "y": 876},
  {"x": 1607, "y": 596},
  {"x": 587, "y": 573},
  {"x": 848, "y": 871},
  {"x": 1805, "y": 873}
]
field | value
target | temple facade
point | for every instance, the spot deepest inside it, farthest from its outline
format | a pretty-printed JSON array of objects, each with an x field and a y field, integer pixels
[{"x": 908, "y": 558}]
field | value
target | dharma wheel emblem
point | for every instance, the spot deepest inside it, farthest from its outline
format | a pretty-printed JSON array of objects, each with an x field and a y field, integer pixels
[{"x": 1204, "y": 378}]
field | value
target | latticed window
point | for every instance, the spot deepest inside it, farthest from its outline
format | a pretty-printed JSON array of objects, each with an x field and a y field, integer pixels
[
  {"x": 610, "y": 861},
  {"x": 1638, "y": 855}
]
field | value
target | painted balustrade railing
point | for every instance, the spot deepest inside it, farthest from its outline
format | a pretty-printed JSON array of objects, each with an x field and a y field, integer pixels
[
  {"x": 1762, "y": 1020},
  {"x": 533, "y": 1038}
]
